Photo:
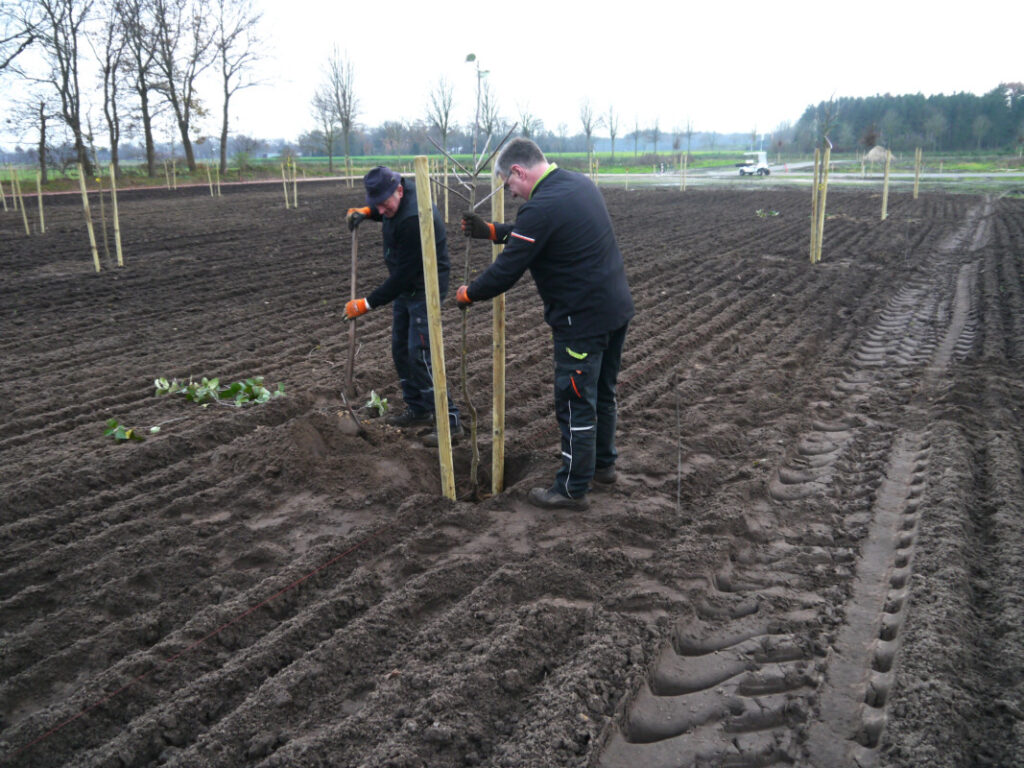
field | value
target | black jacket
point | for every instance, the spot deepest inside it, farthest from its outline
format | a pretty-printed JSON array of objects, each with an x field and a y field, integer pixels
[
  {"x": 564, "y": 236},
  {"x": 403, "y": 252}
]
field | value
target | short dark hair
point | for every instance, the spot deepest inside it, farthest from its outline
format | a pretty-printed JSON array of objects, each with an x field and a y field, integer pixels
[{"x": 519, "y": 151}]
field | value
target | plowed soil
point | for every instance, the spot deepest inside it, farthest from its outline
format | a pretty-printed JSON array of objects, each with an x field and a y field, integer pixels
[{"x": 813, "y": 555}]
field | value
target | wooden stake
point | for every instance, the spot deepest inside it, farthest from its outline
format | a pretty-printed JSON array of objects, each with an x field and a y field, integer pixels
[
  {"x": 39, "y": 196},
  {"x": 814, "y": 206},
  {"x": 352, "y": 323},
  {"x": 441, "y": 423},
  {"x": 917, "y": 170},
  {"x": 284, "y": 183},
  {"x": 21, "y": 204},
  {"x": 88, "y": 217},
  {"x": 498, "y": 349},
  {"x": 117, "y": 221},
  {"x": 295, "y": 185},
  {"x": 822, "y": 195},
  {"x": 103, "y": 209},
  {"x": 209, "y": 179},
  {"x": 174, "y": 174},
  {"x": 167, "y": 174},
  {"x": 885, "y": 186},
  {"x": 3, "y": 197}
]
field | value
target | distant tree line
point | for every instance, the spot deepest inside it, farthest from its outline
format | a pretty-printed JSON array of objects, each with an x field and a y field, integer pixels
[{"x": 954, "y": 123}]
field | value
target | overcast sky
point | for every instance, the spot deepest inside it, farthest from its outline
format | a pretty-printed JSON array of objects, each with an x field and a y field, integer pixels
[{"x": 725, "y": 66}]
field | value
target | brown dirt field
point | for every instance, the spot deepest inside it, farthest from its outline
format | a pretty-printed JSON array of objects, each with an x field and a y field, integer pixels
[{"x": 813, "y": 554}]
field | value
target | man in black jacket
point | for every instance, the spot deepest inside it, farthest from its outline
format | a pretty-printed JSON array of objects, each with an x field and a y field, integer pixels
[
  {"x": 391, "y": 199},
  {"x": 564, "y": 236}
]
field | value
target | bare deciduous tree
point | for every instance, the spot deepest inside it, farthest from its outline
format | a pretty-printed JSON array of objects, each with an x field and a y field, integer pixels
[
  {"x": 529, "y": 124},
  {"x": 688, "y": 133},
  {"x": 613, "y": 127},
  {"x": 340, "y": 80},
  {"x": 19, "y": 20},
  {"x": 439, "y": 109},
  {"x": 323, "y": 113},
  {"x": 589, "y": 122},
  {"x": 183, "y": 44},
  {"x": 237, "y": 48},
  {"x": 140, "y": 52},
  {"x": 110, "y": 50},
  {"x": 655, "y": 134},
  {"x": 61, "y": 28},
  {"x": 490, "y": 117}
]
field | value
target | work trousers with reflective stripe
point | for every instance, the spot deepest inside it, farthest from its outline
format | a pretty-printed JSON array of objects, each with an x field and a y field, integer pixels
[
  {"x": 410, "y": 349},
  {"x": 586, "y": 371}
]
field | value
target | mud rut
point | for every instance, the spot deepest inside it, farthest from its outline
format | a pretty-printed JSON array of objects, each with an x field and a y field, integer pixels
[{"x": 813, "y": 554}]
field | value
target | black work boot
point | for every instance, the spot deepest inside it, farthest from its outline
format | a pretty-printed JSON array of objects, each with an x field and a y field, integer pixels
[
  {"x": 548, "y": 498},
  {"x": 410, "y": 418},
  {"x": 431, "y": 440},
  {"x": 605, "y": 475}
]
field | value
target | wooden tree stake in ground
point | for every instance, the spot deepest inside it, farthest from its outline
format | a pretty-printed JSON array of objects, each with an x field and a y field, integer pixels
[
  {"x": 295, "y": 185},
  {"x": 822, "y": 196},
  {"x": 284, "y": 183},
  {"x": 3, "y": 197},
  {"x": 216, "y": 176},
  {"x": 885, "y": 186},
  {"x": 20, "y": 202},
  {"x": 209, "y": 179},
  {"x": 39, "y": 196},
  {"x": 88, "y": 217},
  {"x": 917, "y": 170},
  {"x": 814, "y": 205},
  {"x": 498, "y": 348},
  {"x": 441, "y": 423},
  {"x": 117, "y": 221}
]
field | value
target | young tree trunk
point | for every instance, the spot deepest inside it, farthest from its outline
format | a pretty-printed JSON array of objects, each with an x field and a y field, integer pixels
[
  {"x": 224, "y": 132},
  {"x": 147, "y": 132},
  {"x": 42, "y": 143}
]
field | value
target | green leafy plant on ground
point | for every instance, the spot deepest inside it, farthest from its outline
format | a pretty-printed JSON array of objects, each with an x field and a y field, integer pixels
[
  {"x": 376, "y": 401},
  {"x": 764, "y": 213},
  {"x": 247, "y": 392},
  {"x": 120, "y": 432}
]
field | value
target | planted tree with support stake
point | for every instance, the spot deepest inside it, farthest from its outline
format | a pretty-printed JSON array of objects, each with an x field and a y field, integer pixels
[{"x": 468, "y": 179}]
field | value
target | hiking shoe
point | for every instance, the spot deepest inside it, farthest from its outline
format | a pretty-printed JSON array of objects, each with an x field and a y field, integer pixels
[
  {"x": 430, "y": 440},
  {"x": 410, "y": 418},
  {"x": 546, "y": 498},
  {"x": 605, "y": 475}
]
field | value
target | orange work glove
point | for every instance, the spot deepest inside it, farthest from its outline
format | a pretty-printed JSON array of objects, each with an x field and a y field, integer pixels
[
  {"x": 355, "y": 308},
  {"x": 474, "y": 226},
  {"x": 355, "y": 216},
  {"x": 462, "y": 297}
]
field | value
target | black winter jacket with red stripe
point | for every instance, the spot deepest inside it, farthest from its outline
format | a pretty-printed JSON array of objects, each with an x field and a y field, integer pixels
[{"x": 564, "y": 236}]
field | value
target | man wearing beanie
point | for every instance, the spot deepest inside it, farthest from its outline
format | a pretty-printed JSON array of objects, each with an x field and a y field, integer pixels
[{"x": 391, "y": 200}]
